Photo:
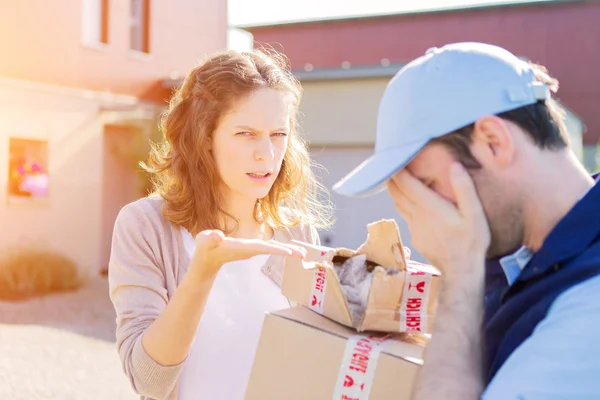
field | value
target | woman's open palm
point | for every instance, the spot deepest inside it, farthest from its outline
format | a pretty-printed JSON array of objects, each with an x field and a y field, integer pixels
[{"x": 213, "y": 249}]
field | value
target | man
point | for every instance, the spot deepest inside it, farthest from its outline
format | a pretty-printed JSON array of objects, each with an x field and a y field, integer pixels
[{"x": 474, "y": 152}]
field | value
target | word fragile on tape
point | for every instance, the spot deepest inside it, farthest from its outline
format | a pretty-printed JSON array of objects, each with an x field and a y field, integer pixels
[
  {"x": 415, "y": 301},
  {"x": 317, "y": 290},
  {"x": 358, "y": 367}
]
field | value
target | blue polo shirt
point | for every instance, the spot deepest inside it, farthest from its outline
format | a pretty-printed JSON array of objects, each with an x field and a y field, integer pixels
[{"x": 544, "y": 324}]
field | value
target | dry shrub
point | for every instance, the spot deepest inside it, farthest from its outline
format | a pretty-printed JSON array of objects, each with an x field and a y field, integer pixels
[{"x": 27, "y": 272}]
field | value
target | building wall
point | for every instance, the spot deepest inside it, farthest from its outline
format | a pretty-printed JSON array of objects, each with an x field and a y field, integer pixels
[
  {"x": 42, "y": 41},
  {"x": 562, "y": 36},
  {"x": 591, "y": 157},
  {"x": 72, "y": 122},
  {"x": 79, "y": 99},
  {"x": 343, "y": 113},
  {"x": 576, "y": 131}
]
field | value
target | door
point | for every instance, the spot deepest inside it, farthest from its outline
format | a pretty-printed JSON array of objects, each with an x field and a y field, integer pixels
[{"x": 353, "y": 214}]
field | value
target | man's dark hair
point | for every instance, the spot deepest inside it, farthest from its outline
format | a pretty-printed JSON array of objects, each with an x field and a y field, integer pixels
[{"x": 543, "y": 121}]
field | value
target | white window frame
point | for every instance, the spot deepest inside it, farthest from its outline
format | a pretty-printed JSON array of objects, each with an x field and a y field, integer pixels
[
  {"x": 91, "y": 23},
  {"x": 137, "y": 28}
]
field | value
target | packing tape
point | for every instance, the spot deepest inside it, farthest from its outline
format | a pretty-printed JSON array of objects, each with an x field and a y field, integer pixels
[
  {"x": 415, "y": 301},
  {"x": 358, "y": 367},
  {"x": 316, "y": 298}
]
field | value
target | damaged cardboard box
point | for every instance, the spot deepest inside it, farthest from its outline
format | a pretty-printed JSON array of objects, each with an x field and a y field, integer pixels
[
  {"x": 374, "y": 288},
  {"x": 303, "y": 355}
]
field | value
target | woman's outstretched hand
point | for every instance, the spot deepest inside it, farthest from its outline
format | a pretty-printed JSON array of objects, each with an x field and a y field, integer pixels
[{"x": 213, "y": 249}]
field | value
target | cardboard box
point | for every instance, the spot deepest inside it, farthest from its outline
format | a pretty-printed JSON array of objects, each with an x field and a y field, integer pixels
[
  {"x": 401, "y": 302},
  {"x": 302, "y": 355}
]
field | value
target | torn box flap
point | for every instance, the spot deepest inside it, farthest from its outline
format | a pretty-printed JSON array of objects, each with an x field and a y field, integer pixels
[
  {"x": 314, "y": 252},
  {"x": 325, "y": 295},
  {"x": 384, "y": 245},
  {"x": 415, "y": 265}
]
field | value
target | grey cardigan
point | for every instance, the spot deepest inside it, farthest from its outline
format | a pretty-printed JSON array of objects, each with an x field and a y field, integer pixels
[{"x": 148, "y": 261}]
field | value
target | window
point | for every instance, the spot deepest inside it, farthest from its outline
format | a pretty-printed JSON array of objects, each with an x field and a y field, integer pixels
[
  {"x": 27, "y": 168},
  {"x": 94, "y": 26},
  {"x": 139, "y": 28}
]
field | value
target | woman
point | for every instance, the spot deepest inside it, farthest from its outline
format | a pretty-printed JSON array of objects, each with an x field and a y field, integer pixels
[{"x": 193, "y": 268}]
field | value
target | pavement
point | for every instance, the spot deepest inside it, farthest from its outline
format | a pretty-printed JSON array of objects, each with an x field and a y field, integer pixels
[{"x": 62, "y": 347}]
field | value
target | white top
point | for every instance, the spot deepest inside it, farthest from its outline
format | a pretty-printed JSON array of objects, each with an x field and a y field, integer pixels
[{"x": 221, "y": 356}]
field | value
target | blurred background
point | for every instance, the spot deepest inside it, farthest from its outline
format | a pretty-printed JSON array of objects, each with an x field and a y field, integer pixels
[{"x": 83, "y": 82}]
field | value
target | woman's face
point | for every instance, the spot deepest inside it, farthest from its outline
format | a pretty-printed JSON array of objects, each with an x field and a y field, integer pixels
[{"x": 250, "y": 142}]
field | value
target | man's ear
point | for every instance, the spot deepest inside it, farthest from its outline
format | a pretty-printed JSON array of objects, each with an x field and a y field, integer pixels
[{"x": 493, "y": 141}]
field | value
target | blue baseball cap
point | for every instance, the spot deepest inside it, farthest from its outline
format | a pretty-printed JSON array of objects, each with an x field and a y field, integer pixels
[{"x": 444, "y": 90}]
